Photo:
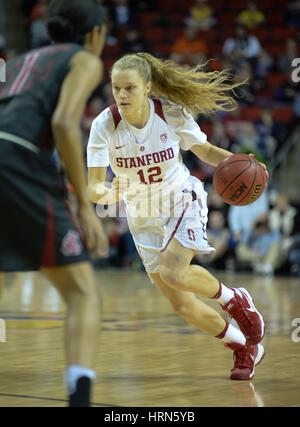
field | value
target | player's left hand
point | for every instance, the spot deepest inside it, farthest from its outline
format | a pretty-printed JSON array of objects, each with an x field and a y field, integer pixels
[{"x": 262, "y": 164}]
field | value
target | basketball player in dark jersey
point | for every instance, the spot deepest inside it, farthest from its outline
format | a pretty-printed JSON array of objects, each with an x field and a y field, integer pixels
[{"x": 41, "y": 105}]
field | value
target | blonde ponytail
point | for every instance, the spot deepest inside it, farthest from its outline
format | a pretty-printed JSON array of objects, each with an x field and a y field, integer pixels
[{"x": 197, "y": 90}]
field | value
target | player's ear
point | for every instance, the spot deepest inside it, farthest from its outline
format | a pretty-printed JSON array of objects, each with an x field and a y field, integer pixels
[{"x": 148, "y": 88}]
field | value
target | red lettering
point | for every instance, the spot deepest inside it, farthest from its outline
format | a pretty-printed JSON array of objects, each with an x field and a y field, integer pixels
[
  {"x": 132, "y": 162},
  {"x": 170, "y": 153},
  {"x": 156, "y": 157},
  {"x": 163, "y": 155},
  {"x": 148, "y": 158},
  {"x": 191, "y": 234},
  {"x": 136, "y": 162},
  {"x": 141, "y": 161},
  {"x": 119, "y": 162}
]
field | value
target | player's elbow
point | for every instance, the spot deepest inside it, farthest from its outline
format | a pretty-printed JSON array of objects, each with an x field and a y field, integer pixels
[
  {"x": 92, "y": 193},
  {"x": 65, "y": 132},
  {"x": 202, "y": 151},
  {"x": 62, "y": 124}
]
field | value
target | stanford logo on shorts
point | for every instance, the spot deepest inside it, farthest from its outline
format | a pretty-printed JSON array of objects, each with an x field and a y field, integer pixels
[
  {"x": 164, "y": 137},
  {"x": 71, "y": 244}
]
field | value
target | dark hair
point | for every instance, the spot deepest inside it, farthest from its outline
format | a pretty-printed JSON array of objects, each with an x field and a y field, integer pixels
[{"x": 71, "y": 20}]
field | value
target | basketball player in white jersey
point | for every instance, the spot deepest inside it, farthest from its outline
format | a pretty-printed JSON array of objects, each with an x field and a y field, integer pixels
[{"x": 141, "y": 138}]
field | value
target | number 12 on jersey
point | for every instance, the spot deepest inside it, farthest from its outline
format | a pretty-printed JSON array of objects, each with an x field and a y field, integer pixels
[{"x": 152, "y": 175}]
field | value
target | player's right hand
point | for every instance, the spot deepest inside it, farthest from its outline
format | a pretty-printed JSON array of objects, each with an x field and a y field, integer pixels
[
  {"x": 262, "y": 164},
  {"x": 120, "y": 184},
  {"x": 96, "y": 239}
]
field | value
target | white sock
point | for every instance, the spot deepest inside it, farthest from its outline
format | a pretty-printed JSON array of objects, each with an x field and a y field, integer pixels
[
  {"x": 224, "y": 295},
  {"x": 73, "y": 373},
  {"x": 232, "y": 335}
]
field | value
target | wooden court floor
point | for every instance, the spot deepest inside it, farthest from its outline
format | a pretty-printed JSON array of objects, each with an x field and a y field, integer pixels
[{"x": 148, "y": 356}]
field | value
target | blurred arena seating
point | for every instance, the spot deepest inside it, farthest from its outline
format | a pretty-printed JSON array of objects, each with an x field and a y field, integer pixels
[{"x": 165, "y": 22}]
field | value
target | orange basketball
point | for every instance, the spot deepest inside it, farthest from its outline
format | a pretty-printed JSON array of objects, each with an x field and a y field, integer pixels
[{"x": 239, "y": 180}]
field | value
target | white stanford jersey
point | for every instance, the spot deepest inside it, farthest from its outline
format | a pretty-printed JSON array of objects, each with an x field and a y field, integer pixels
[{"x": 150, "y": 155}]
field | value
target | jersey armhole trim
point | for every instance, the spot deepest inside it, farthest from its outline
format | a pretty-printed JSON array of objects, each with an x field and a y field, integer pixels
[
  {"x": 158, "y": 109},
  {"x": 115, "y": 114}
]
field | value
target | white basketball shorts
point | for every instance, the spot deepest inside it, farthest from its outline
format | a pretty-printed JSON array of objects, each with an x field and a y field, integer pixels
[{"x": 186, "y": 223}]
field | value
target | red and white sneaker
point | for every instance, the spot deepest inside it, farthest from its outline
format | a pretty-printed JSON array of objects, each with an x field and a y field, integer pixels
[
  {"x": 245, "y": 359},
  {"x": 248, "y": 318}
]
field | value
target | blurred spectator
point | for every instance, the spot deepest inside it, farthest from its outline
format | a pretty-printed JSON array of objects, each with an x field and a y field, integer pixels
[
  {"x": 111, "y": 35},
  {"x": 27, "y": 6},
  {"x": 296, "y": 107},
  {"x": 134, "y": 42},
  {"x": 38, "y": 10},
  {"x": 2, "y": 16},
  {"x": 285, "y": 219},
  {"x": 219, "y": 136},
  {"x": 252, "y": 141},
  {"x": 242, "y": 45},
  {"x": 112, "y": 231},
  {"x": 260, "y": 247},
  {"x": 248, "y": 140},
  {"x": 286, "y": 93},
  {"x": 122, "y": 13},
  {"x": 118, "y": 14},
  {"x": 38, "y": 28},
  {"x": 2, "y": 47},
  {"x": 284, "y": 62},
  {"x": 251, "y": 17},
  {"x": 189, "y": 49},
  {"x": 245, "y": 94},
  {"x": 192, "y": 162},
  {"x": 241, "y": 218},
  {"x": 39, "y": 34},
  {"x": 218, "y": 237},
  {"x": 107, "y": 95},
  {"x": 215, "y": 202},
  {"x": 2, "y": 38},
  {"x": 270, "y": 130},
  {"x": 293, "y": 14},
  {"x": 264, "y": 64},
  {"x": 200, "y": 16},
  {"x": 93, "y": 109},
  {"x": 235, "y": 124},
  {"x": 294, "y": 256},
  {"x": 145, "y": 5},
  {"x": 283, "y": 216},
  {"x": 289, "y": 93}
]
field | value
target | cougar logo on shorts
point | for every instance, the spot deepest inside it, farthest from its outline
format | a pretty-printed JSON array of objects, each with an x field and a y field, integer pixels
[
  {"x": 71, "y": 244},
  {"x": 164, "y": 137}
]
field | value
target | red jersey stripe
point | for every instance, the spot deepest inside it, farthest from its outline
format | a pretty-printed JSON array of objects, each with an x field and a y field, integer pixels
[
  {"x": 24, "y": 73},
  {"x": 176, "y": 227},
  {"x": 49, "y": 248}
]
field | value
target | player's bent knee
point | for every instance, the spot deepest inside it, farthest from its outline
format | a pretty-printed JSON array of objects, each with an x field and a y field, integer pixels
[
  {"x": 172, "y": 277},
  {"x": 183, "y": 309}
]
